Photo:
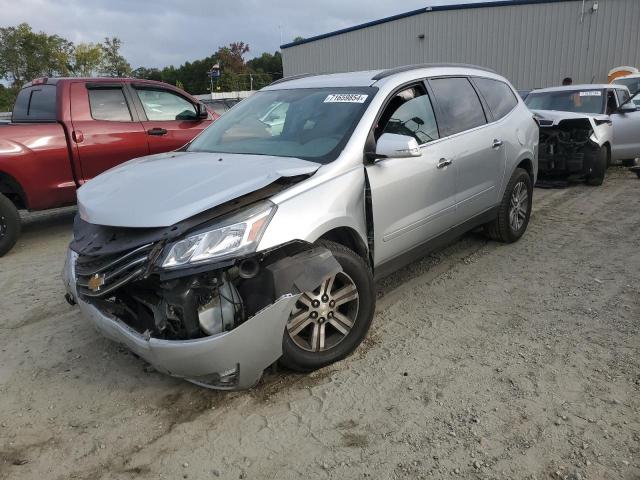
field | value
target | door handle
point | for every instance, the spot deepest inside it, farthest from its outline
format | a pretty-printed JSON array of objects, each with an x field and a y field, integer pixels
[
  {"x": 443, "y": 162},
  {"x": 77, "y": 136},
  {"x": 497, "y": 143},
  {"x": 157, "y": 131}
]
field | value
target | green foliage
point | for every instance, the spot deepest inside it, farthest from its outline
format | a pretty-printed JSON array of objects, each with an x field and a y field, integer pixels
[
  {"x": 7, "y": 97},
  {"x": 236, "y": 74},
  {"x": 113, "y": 64},
  {"x": 87, "y": 59},
  {"x": 25, "y": 54}
]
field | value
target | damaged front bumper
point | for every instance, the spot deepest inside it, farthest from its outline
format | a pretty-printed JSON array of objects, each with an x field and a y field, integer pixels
[{"x": 230, "y": 360}]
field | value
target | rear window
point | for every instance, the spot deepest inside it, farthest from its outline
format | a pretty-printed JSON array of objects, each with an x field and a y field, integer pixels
[
  {"x": 35, "y": 104},
  {"x": 498, "y": 96},
  {"x": 460, "y": 107}
]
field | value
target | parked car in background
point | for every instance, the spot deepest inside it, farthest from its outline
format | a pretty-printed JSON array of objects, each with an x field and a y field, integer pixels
[
  {"x": 584, "y": 128},
  {"x": 260, "y": 241},
  {"x": 632, "y": 82},
  {"x": 524, "y": 93},
  {"x": 65, "y": 131}
]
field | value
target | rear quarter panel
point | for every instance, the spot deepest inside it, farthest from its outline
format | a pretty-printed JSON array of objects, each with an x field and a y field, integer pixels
[{"x": 522, "y": 136}]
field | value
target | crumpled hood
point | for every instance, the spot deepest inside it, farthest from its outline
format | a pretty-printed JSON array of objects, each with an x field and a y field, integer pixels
[
  {"x": 557, "y": 116},
  {"x": 161, "y": 190}
]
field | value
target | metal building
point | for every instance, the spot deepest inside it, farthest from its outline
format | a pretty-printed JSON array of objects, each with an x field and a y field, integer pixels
[{"x": 534, "y": 43}]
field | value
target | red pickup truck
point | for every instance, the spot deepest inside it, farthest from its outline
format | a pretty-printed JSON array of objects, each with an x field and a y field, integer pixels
[{"x": 65, "y": 131}]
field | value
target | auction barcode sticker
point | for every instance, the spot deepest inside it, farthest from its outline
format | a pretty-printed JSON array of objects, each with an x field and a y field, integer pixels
[
  {"x": 591, "y": 93},
  {"x": 345, "y": 98}
]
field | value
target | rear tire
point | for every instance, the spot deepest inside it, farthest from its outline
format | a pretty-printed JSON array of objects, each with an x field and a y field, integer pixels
[
  {"x": 598, "y": 167},
  {"x": 302, "y": 351},
  {"x": 514, "y": 209},
  {"x": 9, "y": 225}
]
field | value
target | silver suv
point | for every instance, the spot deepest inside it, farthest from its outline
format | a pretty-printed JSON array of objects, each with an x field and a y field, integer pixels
[{"x": 260, "y": 240}]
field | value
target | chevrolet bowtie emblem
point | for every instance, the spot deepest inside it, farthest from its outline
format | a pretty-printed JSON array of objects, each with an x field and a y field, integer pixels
[{"x": 95, "y": 282}]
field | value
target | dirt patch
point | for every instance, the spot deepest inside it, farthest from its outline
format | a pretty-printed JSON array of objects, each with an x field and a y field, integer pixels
[{"x": 484, "y": 361}]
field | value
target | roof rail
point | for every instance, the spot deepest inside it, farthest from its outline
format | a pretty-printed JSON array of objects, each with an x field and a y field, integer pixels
[
  {"x": 407, "y": 68},
  {"x": 293, "y": 77}
]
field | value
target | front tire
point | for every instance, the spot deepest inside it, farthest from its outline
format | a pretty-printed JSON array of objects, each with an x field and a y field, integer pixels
[
  {"x": 514, "y": 210},
  {"x": 9, "y": 225},
  {"x": 328, "y": 323},
  {"x": 599, "y": 162}
]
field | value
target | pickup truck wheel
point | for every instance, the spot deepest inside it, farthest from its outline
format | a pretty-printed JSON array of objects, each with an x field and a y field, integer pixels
[
  {"x": 514, "y": 209},
  {"x": 328, "y": 323},
  {"x": 598, "y": 166},
  {"x": 9, "y": 225}
]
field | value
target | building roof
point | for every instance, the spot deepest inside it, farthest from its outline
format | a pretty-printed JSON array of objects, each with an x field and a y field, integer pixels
[{"x": 439, "y": 8}]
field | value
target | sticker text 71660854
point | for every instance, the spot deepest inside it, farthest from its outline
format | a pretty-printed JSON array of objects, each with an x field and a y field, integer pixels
[{"x": 345, "y": 98}]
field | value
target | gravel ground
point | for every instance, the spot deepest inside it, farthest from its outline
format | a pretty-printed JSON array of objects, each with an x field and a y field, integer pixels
[{"x": 485, "y": 361}]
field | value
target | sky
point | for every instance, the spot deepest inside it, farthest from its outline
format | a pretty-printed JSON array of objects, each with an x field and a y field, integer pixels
[{"x": 170, "y": 32}]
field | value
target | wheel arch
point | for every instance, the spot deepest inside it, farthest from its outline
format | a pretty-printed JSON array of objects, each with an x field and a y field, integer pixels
[
  {"x": 349, "y": 238},
  {"x": 12, "y": 189}
]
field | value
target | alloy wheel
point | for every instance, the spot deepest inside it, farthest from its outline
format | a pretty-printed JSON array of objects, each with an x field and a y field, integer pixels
[
  {"x": 323, "y": 318},
  {"x": 518, "y": 206}
]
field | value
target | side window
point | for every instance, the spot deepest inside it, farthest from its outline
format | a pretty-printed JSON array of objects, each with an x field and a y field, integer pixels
[
  {"x": 498, "y": 96},
  {"x": 459, "y": 105},
  {"x": 109, "y": 104},
  {"x": 409, "y": 113},
  {"x": 165, "y": 105},
  {"x": 623, "y": 96},
  {"x": 36, "y": 103}
]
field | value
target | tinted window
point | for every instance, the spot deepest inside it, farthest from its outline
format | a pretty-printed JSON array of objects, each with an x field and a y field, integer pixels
[
  {"x": 579, "y": 101},
  {"x": 498, "y": 96},
  {"x": 409, "y": 113},
  {"x": 459, "y": 105},
  {"x": 35, "y": 104},
  {"x": 109, "y": 104},
  {"x": 166, "y": 105},
  {"x": 612, "y": 102}
]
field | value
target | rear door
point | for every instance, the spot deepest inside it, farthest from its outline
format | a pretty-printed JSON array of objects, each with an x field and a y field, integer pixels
[
  {"x": 626, "y": 130},
  {"x": 106, "y": 130},
  {"x": 476, "y": 148},
  {"x": 412, "y": 198},
  {"x": 170, "y": 119}
]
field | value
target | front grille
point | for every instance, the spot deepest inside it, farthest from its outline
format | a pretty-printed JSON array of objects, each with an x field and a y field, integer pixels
[{"x": 98, "y": 276}]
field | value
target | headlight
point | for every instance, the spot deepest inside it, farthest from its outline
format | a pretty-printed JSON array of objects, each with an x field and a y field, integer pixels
[{"x": 235, "y": 235}]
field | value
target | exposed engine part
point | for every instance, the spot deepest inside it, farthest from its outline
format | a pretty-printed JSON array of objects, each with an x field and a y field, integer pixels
[
  {"x": 248, "y": 268},
  {"x": 565, "y": 149},
  {"x": 221, "y": 312}
]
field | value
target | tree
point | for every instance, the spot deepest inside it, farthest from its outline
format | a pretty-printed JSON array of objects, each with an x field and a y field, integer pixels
[
  {"x": 87, "y": 59},
  {"x": 25, "y": 54},
  {"x": 231, "y": 57},
  {"x": 114, "y": 64},
  {"x": 267, "y": 63},
  {"x": 298, "y": 39},
  {"x": 147, "y": 73}
]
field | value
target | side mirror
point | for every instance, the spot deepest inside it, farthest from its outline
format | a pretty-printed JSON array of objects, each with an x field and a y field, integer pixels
[
  {"x": 391, "y": 145},
  {"x": 627, "y": 107},
  {"x": 202, "y": 112}
]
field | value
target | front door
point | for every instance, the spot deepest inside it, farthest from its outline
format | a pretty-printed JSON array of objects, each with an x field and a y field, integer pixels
[
  {"x": 171, "y": 119},
  {"x": 106, "y": 130},
  {"x": 413, "y": 199},
  {"x": 626, "y": 131}
]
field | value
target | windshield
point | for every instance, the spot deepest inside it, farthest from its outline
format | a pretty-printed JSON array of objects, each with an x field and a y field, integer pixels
[
  {"x": 633, "y": 84},
  {"x": 311, "y": 123},
  {"x": 579, "y": 101}
]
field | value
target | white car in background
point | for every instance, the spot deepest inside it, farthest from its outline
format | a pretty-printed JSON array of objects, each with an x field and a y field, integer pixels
[
  {"x": 584, "y": 128},
  {"x": 632, "y": 82}
]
